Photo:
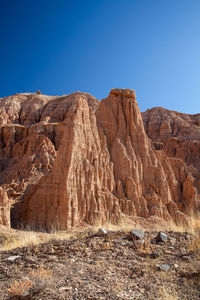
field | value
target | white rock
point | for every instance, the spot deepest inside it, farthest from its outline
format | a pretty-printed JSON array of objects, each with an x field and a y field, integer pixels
[
  {"x": 101, "y": 232},
  {"x": 12, "y": 258}
]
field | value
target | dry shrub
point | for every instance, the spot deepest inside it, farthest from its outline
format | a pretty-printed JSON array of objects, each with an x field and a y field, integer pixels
[
  {"x": 20, "y": 288},
  {"x": 41, "y": 279},
  {"x": 36, "y": 281},
  {"x": 144, "y": 246}
]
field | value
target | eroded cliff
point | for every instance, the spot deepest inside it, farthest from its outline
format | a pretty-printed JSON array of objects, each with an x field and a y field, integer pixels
[{"x": 73, "y": 159}]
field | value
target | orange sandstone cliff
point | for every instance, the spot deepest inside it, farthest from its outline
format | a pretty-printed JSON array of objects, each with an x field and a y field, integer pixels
[{"x": 73, "y": 159}]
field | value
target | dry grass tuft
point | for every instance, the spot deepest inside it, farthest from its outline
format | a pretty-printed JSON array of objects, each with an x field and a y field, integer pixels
[
  {"x": 29, "y": 238},
  {"x": 194, "y": 243},
  {"x": 165, "y": 295},
  {"x": 124, "y": 224},
  {"x": 22, "y": 240},
  {"x": 41, "y": 272},
  {"x": 192, "y": 226}
]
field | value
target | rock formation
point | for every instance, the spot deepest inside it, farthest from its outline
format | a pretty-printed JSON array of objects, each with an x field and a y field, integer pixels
[
  {"x": 178, "y": 136},
  {"x": 4, "y": 208},
  {"x": 73, "y": 159}
]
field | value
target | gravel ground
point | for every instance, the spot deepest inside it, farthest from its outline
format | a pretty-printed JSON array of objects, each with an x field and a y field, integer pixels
[{"x": 113, "y": 266}]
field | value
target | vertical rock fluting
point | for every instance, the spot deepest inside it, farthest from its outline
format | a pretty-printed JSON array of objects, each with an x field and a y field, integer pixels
[
  {"x": 81, "y": 179},
  {"x": 72, "y": 159},
  {"x": 139, "y": 175},
  {"x": 177, "y": 136}
]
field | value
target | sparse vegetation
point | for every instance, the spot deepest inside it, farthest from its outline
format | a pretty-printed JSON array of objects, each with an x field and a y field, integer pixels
[
  {"x": 20, "y": 288},
  {"x": 165, "y": 295},
  {"x": 41, "y": 278},
  {"x": 30, "y": 238},
  {"x": 23, "y": 239},
  {"x": 103, "y": 266},
  {"x": 194, "y": 243},
  {"x": 127, "y": 265},
  {"x": 145, "y": 246},
  {"x": 36, "y": 281}
]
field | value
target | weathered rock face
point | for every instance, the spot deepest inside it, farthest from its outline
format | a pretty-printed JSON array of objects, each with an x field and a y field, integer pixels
[
  {"x": 4, "y": 208},
  {"x": 178, "y": 136},
  {"x": 162, "y": 124},
  {"x": 72, "y": 159}
]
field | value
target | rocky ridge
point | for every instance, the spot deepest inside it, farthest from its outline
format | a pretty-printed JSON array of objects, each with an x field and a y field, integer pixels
[{"x": 73, "y": 159}]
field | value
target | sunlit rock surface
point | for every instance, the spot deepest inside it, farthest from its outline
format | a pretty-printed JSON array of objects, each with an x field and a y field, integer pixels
[{"x": 74, "y": 159}]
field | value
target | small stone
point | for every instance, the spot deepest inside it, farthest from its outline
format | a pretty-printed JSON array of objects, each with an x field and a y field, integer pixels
[
  {"x": 137, "y": 234},
  {"x": 138, "y": 243},
  {"x": 164, "y": 267},
  {"x": 106, "y": 245},
  {"x": 172, "y": 240},
  {"x": 63, "y": 288},
  {"x": 155, "y": 254},
  {"x": 161, "y": 237},
  {"x": 175, "y": 266},
  {"x": 186, "y": 258},
  {"x": 101, "y": 232},
  {"x": 187, "y": 236},
  {"x": 13, "y": 258}
]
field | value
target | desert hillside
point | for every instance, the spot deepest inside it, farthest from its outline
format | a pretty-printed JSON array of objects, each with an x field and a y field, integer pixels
[{"x": 117, "y": 265}]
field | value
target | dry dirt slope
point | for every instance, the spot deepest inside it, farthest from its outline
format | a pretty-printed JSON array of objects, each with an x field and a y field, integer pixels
[{"x": 112, "y": 266}]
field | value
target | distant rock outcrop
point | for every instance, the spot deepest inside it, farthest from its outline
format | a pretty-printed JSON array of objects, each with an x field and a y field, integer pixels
[
  {"x": 73, "y": 159},
  {"x": 178, "y": 136}
]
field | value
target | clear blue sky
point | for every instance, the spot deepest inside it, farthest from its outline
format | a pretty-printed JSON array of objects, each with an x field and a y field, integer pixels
[{"x": 58, "y": 47}]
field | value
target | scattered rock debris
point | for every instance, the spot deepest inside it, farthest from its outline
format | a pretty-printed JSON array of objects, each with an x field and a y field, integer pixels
[
  {"x": 138, "y": 234},
  {"x": 161, "y": 237},
  {"x": 13, "y": 258},
  {"x": 101, "y": 232},
  {"x": 103, "y": 267},
  {"x": 164, "y": 267},
  {"x": 155, "y": 254}
]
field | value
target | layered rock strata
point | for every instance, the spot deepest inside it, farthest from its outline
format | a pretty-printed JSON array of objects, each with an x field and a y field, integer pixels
[{"x": 72, "y": 159}]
